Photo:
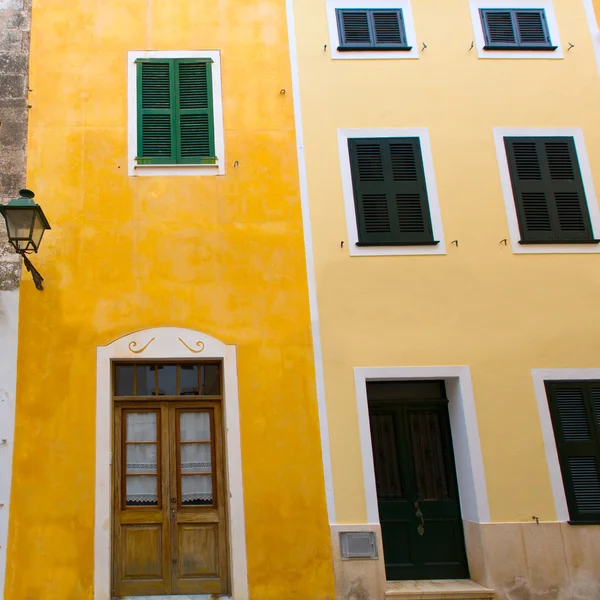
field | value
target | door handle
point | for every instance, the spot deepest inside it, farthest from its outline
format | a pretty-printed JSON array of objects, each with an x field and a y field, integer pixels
[{"x": 419, "y": 515}]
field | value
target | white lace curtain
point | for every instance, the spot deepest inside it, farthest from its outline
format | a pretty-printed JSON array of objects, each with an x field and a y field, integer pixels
[{"x": 142, "y": 458}]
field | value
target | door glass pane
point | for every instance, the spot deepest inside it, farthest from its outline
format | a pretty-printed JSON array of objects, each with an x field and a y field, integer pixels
[
  {"x": 141, "y": 491},
  {"x": 428, "y": 455},
  {"x": 211, "y": 380},
  {"x": 167, "y": 380},
  {"x": 385, "y": 456},
  {"x": 124, "y": 380},
  {"x": 194, "y": 427},
  {"x": 188, "y": 380},
  {"x": 145, "y": 380},
  {"x": 195, "y": 458},
  {"x": 141, "y": 459},
  {"x": 196, "y": 490},
  {"x": 141, "y": 427}
]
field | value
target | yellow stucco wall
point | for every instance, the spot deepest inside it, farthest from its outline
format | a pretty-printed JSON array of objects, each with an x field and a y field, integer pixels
[
  {"x": 480, "y": 305},
  {"x": 223, "y": 255},
  {"x": 597, "y": 11}
]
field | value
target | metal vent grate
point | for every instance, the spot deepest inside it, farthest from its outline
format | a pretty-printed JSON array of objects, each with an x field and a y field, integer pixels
[{"x": 358, "y": 545}]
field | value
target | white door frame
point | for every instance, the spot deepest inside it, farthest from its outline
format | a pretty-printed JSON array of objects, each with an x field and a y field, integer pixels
[
  {"x": 463, "y": 424},
  {"x": 159, "y": 344}
]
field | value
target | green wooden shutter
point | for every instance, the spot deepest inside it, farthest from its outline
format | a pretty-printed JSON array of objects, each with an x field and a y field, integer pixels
[
  {"x": 354, "y": 28},
  {"x": 575, "y": 411},
  {"x": 390, "y": 193},
  {"x": 155, "y": 112},
  {"x": 548, "y": 190},
  {"x": 388, "y": 28},
  {"x": 194, "y": 120}
]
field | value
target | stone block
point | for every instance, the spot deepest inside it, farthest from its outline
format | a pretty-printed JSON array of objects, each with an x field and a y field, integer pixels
[
  {"x": 13, "y": 86},
  {"x": 13, "y": 64}
]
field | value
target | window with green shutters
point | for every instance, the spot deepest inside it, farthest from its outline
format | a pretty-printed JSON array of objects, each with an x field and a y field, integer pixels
[
  {"x": 575, "y": 412},
  {"x": 390, "y": 192},
  {"x": 548, "y": 190},
  {"x": 175, "y": 122},
  {"x": 371, "y": 29},
  {"x": 516, "y": 29}
]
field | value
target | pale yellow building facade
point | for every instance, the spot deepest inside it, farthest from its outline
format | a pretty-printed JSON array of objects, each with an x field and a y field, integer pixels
[{"x": 495, "y": 320}]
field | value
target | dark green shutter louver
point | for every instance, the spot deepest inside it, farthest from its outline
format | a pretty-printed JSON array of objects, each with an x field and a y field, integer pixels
[
  {"x": 390, "y": 193},
  {"x": 576, "y": 422},
  {"x": 175, "y": 112},
  {"x": 515, "y": 29},
  {"x": 370, "y": 29},
  {"x": 548, "y": 190}
]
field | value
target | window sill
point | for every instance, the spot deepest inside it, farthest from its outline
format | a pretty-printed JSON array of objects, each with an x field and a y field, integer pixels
[
  {"x": 521, "y": 48},
  {"x": 399, "y": 244},
  {"x": 174, "y": 165},
  {"x": 557, "y": 242},
  {"x": 583, "y": 522},
  {"x": 374, "y": 48},
  {"x": 174, "y": 170}
]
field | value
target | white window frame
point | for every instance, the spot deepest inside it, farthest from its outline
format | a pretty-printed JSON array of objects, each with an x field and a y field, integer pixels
[
  {"x": 175, "y": 170},
  {"x": 409, "y": 25},
  {"x": 509, "y": 200},
  {"x": 548, "y": 7},
  {"x": 348, "y": 192},
  {"x": 540, "y": 376},
  {"x": 590, "y": 12}
]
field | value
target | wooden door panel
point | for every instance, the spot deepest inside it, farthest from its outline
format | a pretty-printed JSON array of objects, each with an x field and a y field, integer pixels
[
  {"x": 141, "y": 520},
  {"x": 170, "y": 522},
  {"x": 198, "y": 527},
  {"x": 141, "y": 552},
  {"x": 417, "y": 491},
  {"x": 198, "y": 551}
]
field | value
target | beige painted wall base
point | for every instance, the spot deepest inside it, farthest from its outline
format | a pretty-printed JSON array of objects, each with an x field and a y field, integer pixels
[
  {"x": 358, "y": 579},
  {"x": 554, "y": 561}
]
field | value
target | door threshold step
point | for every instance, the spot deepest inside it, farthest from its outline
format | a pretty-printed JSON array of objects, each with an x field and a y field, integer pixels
[
  {"x": 438, "y": 589},
  {"x": 179, "y": 597}
]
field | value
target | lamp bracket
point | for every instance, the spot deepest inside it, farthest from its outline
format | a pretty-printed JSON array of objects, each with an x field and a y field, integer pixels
[{"x": 37, "y": 278}]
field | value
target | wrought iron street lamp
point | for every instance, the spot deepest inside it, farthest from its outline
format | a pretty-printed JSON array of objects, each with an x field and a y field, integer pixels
[{"x": 25, "y": 225}]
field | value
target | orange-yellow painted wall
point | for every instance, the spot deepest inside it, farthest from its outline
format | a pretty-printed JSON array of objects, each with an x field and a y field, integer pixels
[
  {"x": 223, "y": 255},
  {"x": 597, "y": 11}
]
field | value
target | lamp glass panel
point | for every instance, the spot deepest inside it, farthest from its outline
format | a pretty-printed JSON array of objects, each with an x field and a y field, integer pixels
[
  {"x": 18, "y": 222},
  {"x": 38, "y": 230}
]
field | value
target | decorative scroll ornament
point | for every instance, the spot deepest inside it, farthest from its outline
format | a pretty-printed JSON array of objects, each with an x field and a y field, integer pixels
[
  {"x": 199, "y": 345},
  {"x": 133, "y": 346}
]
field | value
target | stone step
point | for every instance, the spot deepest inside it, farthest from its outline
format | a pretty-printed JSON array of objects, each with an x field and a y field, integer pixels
[{"x": 438, "y": 589}]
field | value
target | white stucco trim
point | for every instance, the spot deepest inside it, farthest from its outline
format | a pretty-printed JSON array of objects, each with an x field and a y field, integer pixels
[
  {"x": 465, "y": 434},
  {"x": 556, "y": 481},
  {"x": 9, "y": 336},
  {"x": 509, "y": 202},
  {"x": 548, "y": 7},
  {"x": 409, "y": 25},
  {"x": 348, "y": 193},
  {"x": 174, "y": 170},
  {"x": 310, "y": 265},
  {"x": 157, "y": 344},
  {"x": 590, "y": 13}
]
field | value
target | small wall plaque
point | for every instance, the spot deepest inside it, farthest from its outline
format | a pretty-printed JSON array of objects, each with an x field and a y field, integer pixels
[{"x": 358, "y": 545}]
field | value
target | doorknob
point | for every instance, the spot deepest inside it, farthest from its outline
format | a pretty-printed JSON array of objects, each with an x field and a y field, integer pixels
[{"x": 419, "y": 515}]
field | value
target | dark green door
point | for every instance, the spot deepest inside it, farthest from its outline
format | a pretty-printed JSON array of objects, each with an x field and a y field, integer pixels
[{"x": 419, "y": 509}]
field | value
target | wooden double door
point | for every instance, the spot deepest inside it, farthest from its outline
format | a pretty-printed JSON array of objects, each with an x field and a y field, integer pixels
[
  {"x": 417, "y": 491},
  {"x": 169, "y": 531}
]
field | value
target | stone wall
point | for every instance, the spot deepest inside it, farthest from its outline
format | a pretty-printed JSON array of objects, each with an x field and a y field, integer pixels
[{"x": 15, "y": 23}]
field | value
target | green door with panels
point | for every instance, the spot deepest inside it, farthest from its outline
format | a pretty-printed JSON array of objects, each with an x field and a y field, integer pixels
[{"x": 417, "y": 491}]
